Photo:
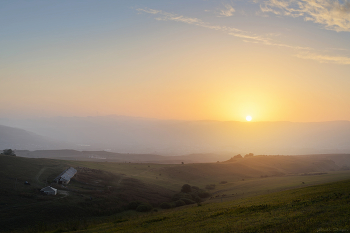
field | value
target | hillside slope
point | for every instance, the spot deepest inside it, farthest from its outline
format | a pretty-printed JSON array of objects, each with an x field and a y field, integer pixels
[
  {"x": 311, "y": 209},
  {"x": 90, "y": 193}
]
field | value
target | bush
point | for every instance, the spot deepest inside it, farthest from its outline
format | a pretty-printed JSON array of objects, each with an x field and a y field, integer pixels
[
  {"x": 197, "y": 199},
  {"x": 9, "y": 152},
  {"x": 188, "y": 201},
  {"x": 203, "y": 194},
  {"x": 195, "y": 188},
  {"x": 133, "y": 205},
  {"x": 144, "y": 208},
  {"x": 166, "y": 205},
  {"x": 179, "y": 196},
  {"x": 186, "y": 188},
  {"x": 179, "y": 203}
]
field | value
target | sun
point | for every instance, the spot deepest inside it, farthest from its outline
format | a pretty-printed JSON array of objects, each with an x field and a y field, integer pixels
[{"x": 248, "y": 118}]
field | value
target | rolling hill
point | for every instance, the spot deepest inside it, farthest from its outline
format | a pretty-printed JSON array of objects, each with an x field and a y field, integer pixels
[{"x": 102, "y": 191}]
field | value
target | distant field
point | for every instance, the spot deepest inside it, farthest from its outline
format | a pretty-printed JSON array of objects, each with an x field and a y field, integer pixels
[
  {"x": 323, "y": 208},
  {"x": 173, "y": 176},
  {"x": 249, "y": 187}
]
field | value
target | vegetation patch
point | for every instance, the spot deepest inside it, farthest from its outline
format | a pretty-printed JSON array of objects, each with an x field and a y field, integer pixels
[
  {"x": 121, "y": 220},
  {"x": 308, "y": 209},
  {"x": 156, "y": 220}
]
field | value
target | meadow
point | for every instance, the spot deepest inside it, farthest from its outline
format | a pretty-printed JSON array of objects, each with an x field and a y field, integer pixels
[
  {"x": 309, "y": 209},
  {"x": 100, "y": 191}
]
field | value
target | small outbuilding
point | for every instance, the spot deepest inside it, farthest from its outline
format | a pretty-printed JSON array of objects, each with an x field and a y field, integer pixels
[
  {"x": 64, "y": 177},
  {"x": 49, "y": 190}
]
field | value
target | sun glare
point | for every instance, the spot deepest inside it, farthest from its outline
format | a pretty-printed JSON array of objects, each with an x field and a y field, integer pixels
[{"x": 248, "y": 118}]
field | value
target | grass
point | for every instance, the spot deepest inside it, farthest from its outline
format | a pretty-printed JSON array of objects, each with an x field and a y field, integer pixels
[
  {"x": 310, "y": 209},
  {"x": 22, "y": 207},
  {"x": 91, "y": 193}
]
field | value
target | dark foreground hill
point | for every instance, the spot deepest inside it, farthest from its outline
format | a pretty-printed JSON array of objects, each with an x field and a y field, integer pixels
[
  {"x": 323, "y": 208},
  {"x": 91, "y": 193}
]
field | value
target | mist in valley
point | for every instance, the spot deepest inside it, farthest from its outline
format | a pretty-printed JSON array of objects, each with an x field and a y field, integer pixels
[{"x": 124, "y": 134}]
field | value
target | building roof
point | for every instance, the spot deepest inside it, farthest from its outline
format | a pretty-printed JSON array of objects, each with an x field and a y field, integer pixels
[
  {"x": 48, "y": 189},
  {"x": 67, "y": 174}
]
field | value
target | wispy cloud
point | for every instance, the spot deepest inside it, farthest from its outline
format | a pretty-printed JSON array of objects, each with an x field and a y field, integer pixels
[
  {"x": 166, "y": 16},
  {"x": 249, "y": 37},
  {"x": 324, "y": 58},
  {"x": 228, "y": 11},
  {"x": 333, "y": 14}
]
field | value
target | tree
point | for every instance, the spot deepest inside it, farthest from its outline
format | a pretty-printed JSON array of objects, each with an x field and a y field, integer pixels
[
  {"x": 186, "y": 188},
  {"x": 9, "y": 152},
  {"x": 239, "y": 156},
  {"x": 249, "y": 155}
]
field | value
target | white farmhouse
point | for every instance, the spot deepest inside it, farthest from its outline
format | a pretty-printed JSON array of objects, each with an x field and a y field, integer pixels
[{"x": 49, "y": 190}]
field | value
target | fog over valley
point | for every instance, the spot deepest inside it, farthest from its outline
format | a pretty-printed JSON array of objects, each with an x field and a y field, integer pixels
[{"x": 123, "y": 134}]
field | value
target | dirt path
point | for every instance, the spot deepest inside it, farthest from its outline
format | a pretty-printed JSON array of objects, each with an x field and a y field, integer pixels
[
  {"x": 39, "y": 174},
  {"x": 63, "y": 192}
]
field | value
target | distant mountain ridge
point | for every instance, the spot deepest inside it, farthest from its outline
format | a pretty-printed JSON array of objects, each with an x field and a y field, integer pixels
[
  {"x": 171, "y": 137},
  {"x": 104, "y": 156},
  {"x": 15, "y": 138}
]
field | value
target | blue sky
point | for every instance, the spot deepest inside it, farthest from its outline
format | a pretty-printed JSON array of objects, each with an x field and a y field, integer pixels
[{"x": 222, "y": 60}]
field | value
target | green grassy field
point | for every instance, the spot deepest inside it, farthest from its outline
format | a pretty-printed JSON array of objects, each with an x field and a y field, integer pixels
[
  {"x": 310, "y": 209},
  {"x": 173, "y": 176},
  {"x": 112, "y": 185}
]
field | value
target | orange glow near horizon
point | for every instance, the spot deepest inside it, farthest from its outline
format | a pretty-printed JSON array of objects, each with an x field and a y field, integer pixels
[{"x": 202, "y": 67}]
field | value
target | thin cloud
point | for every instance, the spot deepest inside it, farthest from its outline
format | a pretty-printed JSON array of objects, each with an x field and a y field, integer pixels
[
  {"x": 324, "y": 58},
  {"x": 166, "y": 16},
  {"x": 249, "y": 37},
  {"x": 333, "y": 14},
  {"x": 228, "y": 11}
]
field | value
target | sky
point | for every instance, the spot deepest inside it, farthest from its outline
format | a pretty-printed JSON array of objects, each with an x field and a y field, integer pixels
[{"x": 275, "y": 60}]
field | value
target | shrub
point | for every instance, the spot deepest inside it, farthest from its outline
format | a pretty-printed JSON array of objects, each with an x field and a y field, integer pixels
[
  {"x": 203, "y": 194},
  {"x": 179, "y": 196},
  {"x": 133, "y": 205},
  {"x": 186, "y": 188},
  {"x": 223, "y": 182},
  {"x": 9, "y": 152},
  {"x": 197, "y": 199},
  {"x": 144, "y": 208},
  {"x": 166, "y": 205},
  {"x": 188, "y": 201},
  {"x": 179, "y": 203}
]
